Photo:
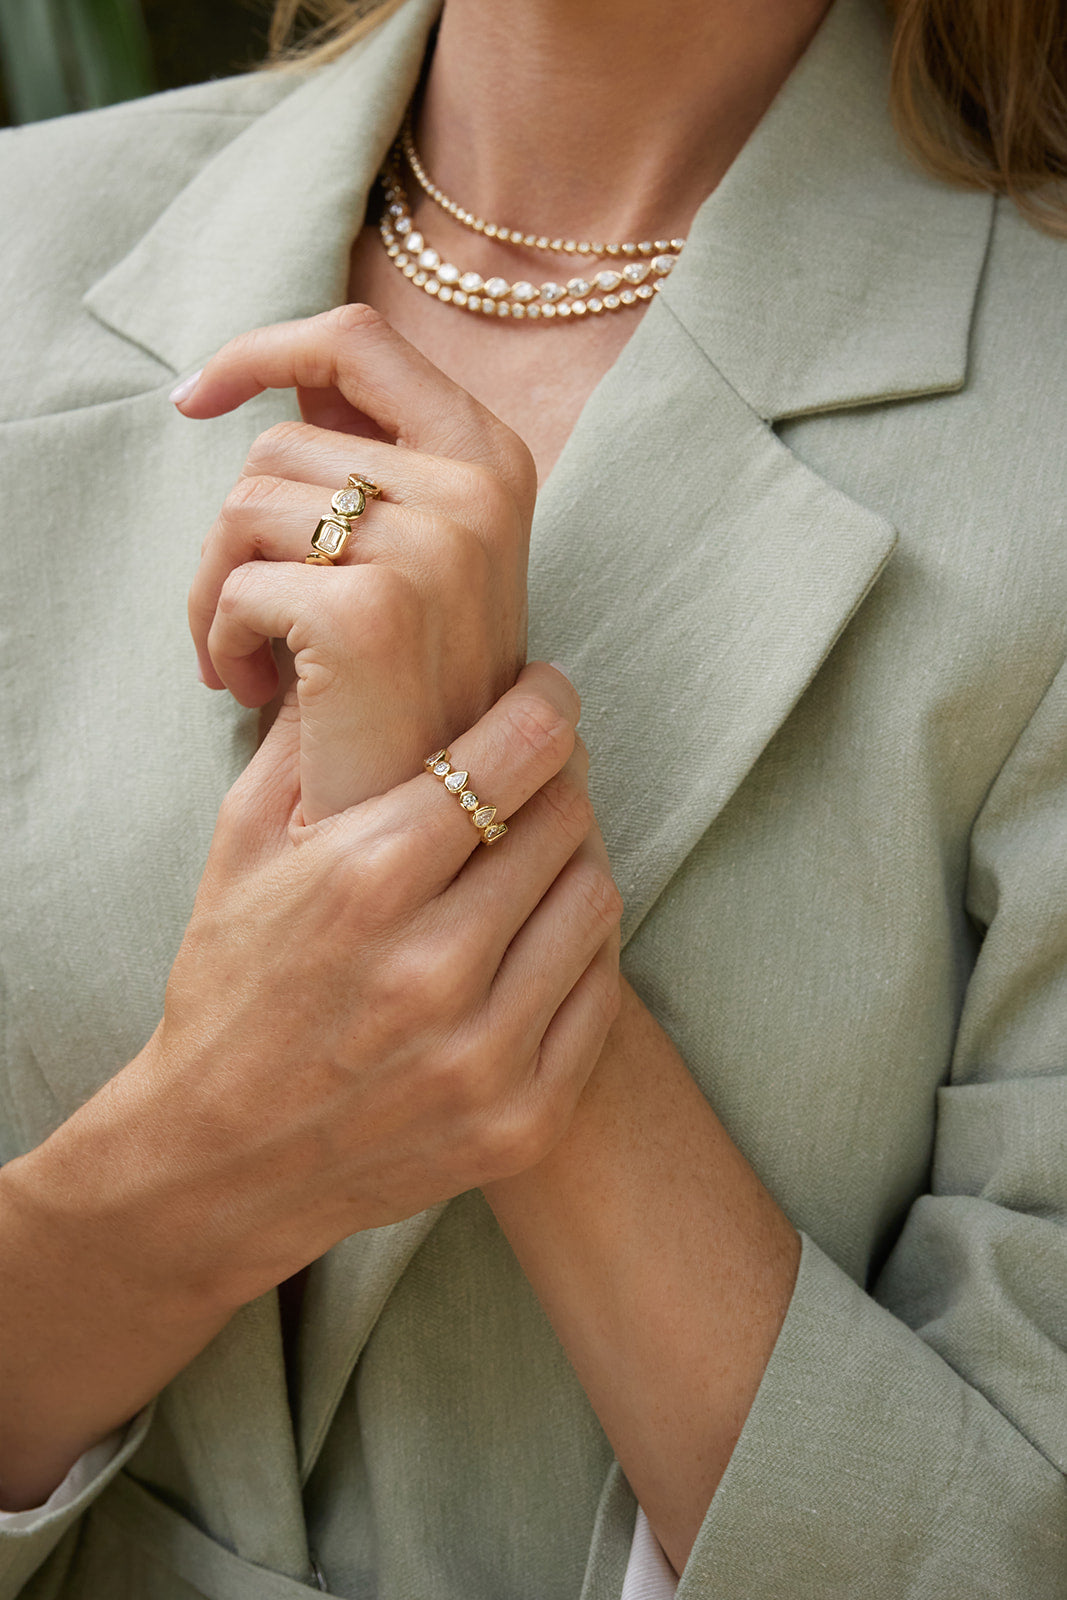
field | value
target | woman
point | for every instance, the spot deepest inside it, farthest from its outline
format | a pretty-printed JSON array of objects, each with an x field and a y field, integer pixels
[{"x": 789, "y": 1275}]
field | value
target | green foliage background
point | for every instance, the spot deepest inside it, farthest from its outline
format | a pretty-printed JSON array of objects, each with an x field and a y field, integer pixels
[{"x": 67, "y": 55}]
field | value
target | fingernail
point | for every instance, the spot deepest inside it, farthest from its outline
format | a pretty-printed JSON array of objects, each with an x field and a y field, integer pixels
[
  {"x": 183, "y": 390},
  {"x": 559, "y": 667},
  {"x": 200, "y": 674}
]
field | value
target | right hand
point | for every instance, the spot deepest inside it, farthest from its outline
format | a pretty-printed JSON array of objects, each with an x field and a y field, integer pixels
[
  {"x": 428, "y": 602},
  {"x": 369, "y": 1014}
]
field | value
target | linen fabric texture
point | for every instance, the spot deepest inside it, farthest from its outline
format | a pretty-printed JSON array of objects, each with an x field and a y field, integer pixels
[{"x": 804, "y": 558}]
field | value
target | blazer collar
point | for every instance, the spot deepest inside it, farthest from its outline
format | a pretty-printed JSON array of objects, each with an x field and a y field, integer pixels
[{"x": 824, "y": 271}]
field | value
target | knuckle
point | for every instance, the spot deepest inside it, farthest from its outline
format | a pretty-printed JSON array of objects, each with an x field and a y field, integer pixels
[
  {"x": 607, "y": 996},
  {"x": 361, "y": 884},
  {"x": 519, "y": 1137},
  {"x": 237, "y": 813},
  {"x": 385, "y": 607},
  {"x": 464, "y": 1080},
  {"x": 539, "y": 728},
  {"x": 487, "y": 490},
  {"x": 598, "y": 893},
  {"x": 255, "y": 492},
  {"x": 234, "y": 590},
  {"x": 570, "y": 805},
  {"x": 523, "y": 468},
  {"x": 354, "y": 318},
  {"x": 272, "y": 445},
  {"x": 432, "y": 982}
]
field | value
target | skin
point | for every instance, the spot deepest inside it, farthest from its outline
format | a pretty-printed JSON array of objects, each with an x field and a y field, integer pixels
[{"x": 662, "y": 1261}]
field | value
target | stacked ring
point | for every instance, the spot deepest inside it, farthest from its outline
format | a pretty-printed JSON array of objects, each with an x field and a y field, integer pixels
[
  {"x": 440, "y": 765},
  {"x": 334, "y": 531}
]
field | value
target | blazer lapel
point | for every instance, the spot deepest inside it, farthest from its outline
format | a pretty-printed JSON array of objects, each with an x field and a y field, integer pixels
[
  {"x": 691, "y": 574},
  {"x": 687, "y": 567},
  {"x": 263, "y": 233}
]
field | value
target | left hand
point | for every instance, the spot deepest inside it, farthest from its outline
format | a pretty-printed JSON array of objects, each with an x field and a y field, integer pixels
[{"x": 421, "y": 626}]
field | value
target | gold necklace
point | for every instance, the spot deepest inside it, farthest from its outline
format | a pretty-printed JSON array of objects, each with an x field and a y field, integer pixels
[{"x": 635, "y": 274}]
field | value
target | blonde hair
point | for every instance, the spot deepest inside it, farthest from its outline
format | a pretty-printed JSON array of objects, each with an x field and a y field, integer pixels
[{"x": 978, "y": 87}]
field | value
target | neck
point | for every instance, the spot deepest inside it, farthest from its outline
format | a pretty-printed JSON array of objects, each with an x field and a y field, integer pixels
[{"x": 609, "y": 119}]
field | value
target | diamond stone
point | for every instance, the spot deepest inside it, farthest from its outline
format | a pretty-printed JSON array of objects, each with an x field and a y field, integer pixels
[
  {"x": 474, "y": 302},
  {"x": 419, "y": 279},
  {"x": 628, "y": 297},
  {"x": 429, "y": 259},
  {"x": 595, "y": 305},
  {"x": 661, "y": 265},
  {"x": 468, "y": 800},
  {"x": 523, "y": 292},
  {"x": 496, "y": 288},
  {"x": 456, "y": 781},
  {"x": 433, "y": 286},
  {"x": 459, "y": 298},
  {"x": 444, "y": 293},
  {"x": 608, "y": 281},
  {"x": 579, "y": 308},
  {"x": 447, "y": 273},
  {"x": 415, "y": 243},
  {"x": 578, "y": 287},
  {"x": 349, "y": 502},
  {"x": 330, "y": 537},
  {"x": 635, "y": 271},
  {"x": 494, "y": 831},
  {"x": 470, "y": 282},
  {"x": 438, "y": 755},
  {"x": 645, "y": 292},
  {"x": 441, "y": 769},
  {"x": 551, "y": 292},
  {"x": 403, "y": 225},
  {"x": 611, "y": 302},
  {"x": 484, "y": 816}
]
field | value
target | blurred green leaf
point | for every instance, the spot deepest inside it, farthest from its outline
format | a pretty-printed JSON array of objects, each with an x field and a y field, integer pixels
[{"x": 69, "y": 55}]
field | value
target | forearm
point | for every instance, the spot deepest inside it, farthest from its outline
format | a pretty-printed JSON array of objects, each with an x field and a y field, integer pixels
[
  {"x": 92, "y": 1325},
  {"x": 665, "y": 1266}
]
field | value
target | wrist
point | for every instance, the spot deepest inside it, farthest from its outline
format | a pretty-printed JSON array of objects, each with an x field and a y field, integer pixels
[{"x": 107, "y": 1200}]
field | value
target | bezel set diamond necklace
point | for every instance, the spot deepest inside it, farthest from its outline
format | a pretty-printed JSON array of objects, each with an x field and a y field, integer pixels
[{"x": 620, "y": 275}]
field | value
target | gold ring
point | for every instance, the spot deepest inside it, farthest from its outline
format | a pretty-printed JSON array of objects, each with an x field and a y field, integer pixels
[
  {"x": 334, "y": 531},
  {"x": 440, "y": 765}
]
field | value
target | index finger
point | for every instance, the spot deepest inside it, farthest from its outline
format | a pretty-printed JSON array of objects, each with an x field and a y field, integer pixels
[{"x": 354, "y": 351}]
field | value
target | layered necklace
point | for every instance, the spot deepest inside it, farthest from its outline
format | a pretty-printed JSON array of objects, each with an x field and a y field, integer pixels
[{"x": 618, "y": 275}]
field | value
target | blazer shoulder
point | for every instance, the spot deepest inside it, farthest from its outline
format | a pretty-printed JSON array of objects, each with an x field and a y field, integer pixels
[
  {"x": 75, "y": 180},
  {"x": 77, "y": 192}
]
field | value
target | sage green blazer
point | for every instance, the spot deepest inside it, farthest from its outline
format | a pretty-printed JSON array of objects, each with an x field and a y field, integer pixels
[{"x": 805, "y": 558}]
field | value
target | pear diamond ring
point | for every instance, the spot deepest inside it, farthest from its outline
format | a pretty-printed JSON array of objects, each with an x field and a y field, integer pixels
[
  {"x": 334, "y": 531},
  {"x": 439, "y": 765}
]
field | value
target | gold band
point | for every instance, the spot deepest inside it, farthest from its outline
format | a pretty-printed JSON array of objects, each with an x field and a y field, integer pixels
[
  {"x": 334, "y": 531},
  {"x": 440, "y": 766}
]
